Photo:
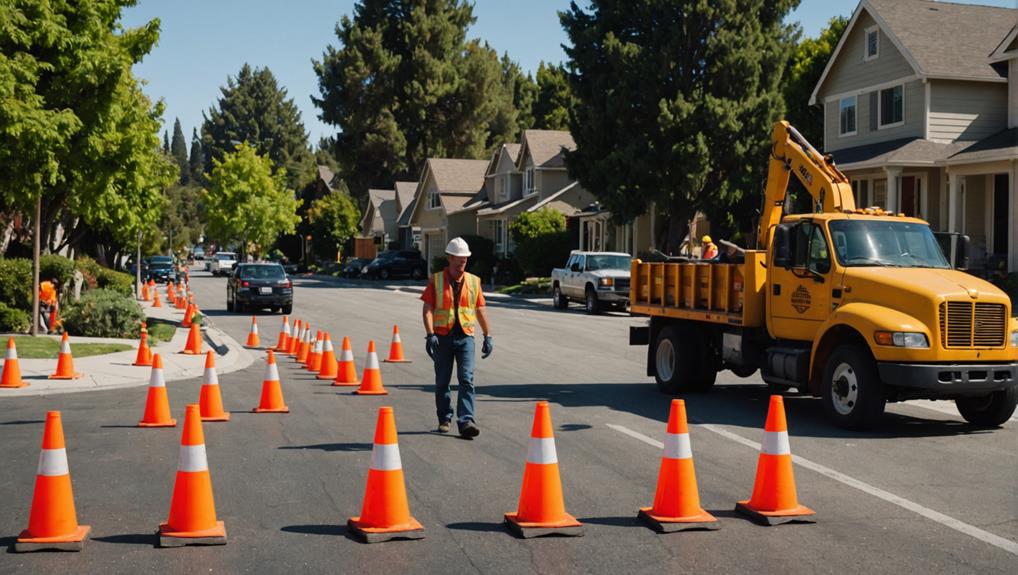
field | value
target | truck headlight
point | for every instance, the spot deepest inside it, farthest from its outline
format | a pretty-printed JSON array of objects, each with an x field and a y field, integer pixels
[
  {"x": 606, "y": 282},
  {"x": 902, "y": 339},
  {"x": 1014, "y": 339}
]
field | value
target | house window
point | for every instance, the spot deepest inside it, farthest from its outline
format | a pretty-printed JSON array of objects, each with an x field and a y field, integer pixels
[
  {"x": 499, "y": 190},
  {"x": 528, "y": 182},
  {"x": 498, "y": 235},
  {"x": 892, "y": 106},
  {"x": 434, "y": 201},
  {"x": 872, "y": 43},
  {"x": 861, "y": 191},
  {"x": 847, "y": 108}
]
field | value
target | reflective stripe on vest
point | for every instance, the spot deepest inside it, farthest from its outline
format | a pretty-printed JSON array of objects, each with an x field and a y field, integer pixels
[{"x": 443, "y": 312}]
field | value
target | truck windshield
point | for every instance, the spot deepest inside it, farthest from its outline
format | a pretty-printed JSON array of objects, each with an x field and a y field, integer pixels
[
  {"x": 861, "y": 243},
  {"x": 595, "y": 263}
]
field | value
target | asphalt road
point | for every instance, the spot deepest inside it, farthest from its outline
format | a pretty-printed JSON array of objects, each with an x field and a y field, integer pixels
[{"x": 926, "y": 493}]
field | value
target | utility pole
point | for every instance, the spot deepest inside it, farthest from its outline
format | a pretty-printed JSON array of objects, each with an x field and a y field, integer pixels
[
  {"x": 36, "y": 239},
  {"x": 137, "y": 270}
]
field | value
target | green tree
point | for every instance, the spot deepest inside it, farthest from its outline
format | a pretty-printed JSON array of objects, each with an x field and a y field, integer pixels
[
  {"x": 334, "y": 219},
  {"x": 554, "y": 98},
  {"x": 196, "y": 161},
  {"x": 178, "y": 149},
  {"x": 804, "y": 70},
  {"x": 675, "y": 102},
  {"x": 166, "y": 142},
  {"x": 523, "y": 90},
  {"x": 181, "y": 218},
  {"x": 247, "y": 203},
  {"x": 541, "y": 239},
  {"x": 404, "y": 85},
  {"x": 253, "y": 108}
]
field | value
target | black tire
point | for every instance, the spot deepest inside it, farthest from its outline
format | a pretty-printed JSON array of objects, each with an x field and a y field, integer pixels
[
  {"x": 288, "y": 309},
  {"x": 230, "y": 306},
  {"x": 991, "y": 410},
  {"x": 417, "y": 274},
  {"x": 851, "y": 389},
  {"x": 384, "y": 274},
  {"x": 274, "y": 309},
  {"x": 688, "y": 366},
  {"x": 591, "y": 303},
  {"x": 742, "y": 371},
  {"x": 557, "y": 299}
]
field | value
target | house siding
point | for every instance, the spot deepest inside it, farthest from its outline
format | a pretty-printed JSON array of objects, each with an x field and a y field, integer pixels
[
  {"x": 966, "y": 110},
  {"x": 462, "y": 224},
  {"x": 975, "y": 217},
  {"x": 1012, "y": 92},
  {"x": 551, "y": 181},
  {"x": 915, "y": 120},
  {"x": 428, "y": 219},
  {"x": 850, "y": 72}
]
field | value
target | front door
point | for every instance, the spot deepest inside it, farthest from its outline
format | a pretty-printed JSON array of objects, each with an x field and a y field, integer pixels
[
  {"x": 799, "y": 297},
  {"x": 909, "y": 196}
]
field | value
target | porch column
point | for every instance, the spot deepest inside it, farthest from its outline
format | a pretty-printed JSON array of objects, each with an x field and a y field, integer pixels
[
  {"x": 892, "y": 188},
  {"x": 953, "y": 195}
]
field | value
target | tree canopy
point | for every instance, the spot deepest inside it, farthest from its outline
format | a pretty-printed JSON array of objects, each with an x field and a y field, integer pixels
[
  {"x": 804, "y": 70},
  {"x": 675, "y": 101},
  {"x": 178, "y": 149},
  {"x": 334, "y": 219},
  {"x": 553, "y": 100}
]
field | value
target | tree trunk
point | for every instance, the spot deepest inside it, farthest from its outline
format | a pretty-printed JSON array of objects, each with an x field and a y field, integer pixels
[
  {"x": 678, "y": 224},
  {"x": 37, "y": 224}
]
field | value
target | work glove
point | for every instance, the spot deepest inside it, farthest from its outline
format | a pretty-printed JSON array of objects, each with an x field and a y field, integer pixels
[
  {"x": 431, "y": 345},
  {"x": 487, "y": 347}
]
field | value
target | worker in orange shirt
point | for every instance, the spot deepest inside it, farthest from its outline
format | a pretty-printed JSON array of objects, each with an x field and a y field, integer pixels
[
  {"x": 710, "y": 249},
  {"x": 48, "y": 303}
]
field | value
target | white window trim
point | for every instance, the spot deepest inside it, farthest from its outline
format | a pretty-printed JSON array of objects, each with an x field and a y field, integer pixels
[
  {"x": 532, "y": 189},
  {"x": 880, "y": 103},
  {"x": 866, "y": 44},
  {"x": 855, "y": 104},
  {"x": 434, "y": 200}
]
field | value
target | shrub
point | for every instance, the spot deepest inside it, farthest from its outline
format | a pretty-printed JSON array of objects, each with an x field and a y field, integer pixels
[
  {"x": 13, "y": 320},
  {"x": 120, "y": 282},
  {"x": 90, "y": 269},
  {"x": 482, "y": 256},
  {"x": 104, "y": 313},
  {"x": 56, "y": 266},
  {"x": 439, "y": 263},
  {"x": 16, "y": 283},
  {"x": 509, "y": 271},
  {"x": 542, "y": 241}
]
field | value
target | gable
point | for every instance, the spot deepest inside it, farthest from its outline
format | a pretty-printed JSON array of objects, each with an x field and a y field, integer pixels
[{"x": 506, "y": 163}]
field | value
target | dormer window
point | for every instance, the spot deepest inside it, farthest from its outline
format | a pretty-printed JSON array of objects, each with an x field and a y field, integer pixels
[
  {"x": 872, "y": 49},
  {"x": 434, "y": 202},
  {"x": 528, "y": 181}
]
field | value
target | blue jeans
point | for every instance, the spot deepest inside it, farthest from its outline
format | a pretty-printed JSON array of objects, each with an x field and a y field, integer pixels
[{"x": 461, "y": 349}]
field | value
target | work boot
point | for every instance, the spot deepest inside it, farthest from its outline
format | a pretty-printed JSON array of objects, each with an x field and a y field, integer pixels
[
  {"x": 469, "y": 430},
  {"x": 443, "y": 427}
]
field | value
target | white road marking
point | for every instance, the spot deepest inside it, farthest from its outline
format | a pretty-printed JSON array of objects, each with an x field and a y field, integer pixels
[{"x": 945, "y": 520}]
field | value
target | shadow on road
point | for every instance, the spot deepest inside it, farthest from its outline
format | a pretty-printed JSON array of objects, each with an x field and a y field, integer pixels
[
  {"x": 316, "y": 529},
  {"x": 478, "y": 526},
  {"x": 22, "y": 422},
  {"x": 332, "y": 447},
  {"x": 147, "y": 539}
]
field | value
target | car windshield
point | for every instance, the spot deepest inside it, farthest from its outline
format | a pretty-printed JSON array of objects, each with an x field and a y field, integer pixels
[
  {"x": 262, "y": 272},
  {"x": 160, "y": 265},
  {"x": 161, "y": 261},
  {"x": 861, "y": 243},
  {"x": 607, "y": 262},
  {"x": 225, "y": 256}
]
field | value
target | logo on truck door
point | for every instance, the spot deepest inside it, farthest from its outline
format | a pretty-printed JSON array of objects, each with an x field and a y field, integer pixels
[{"x": 801, "y": 300}]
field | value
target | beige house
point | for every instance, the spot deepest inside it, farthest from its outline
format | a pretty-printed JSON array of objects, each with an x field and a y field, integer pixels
[
  {"x": 446, "y": 200},
  {"x": 408, "y": 236},
  {"x": 380, "y": 220},
  {"x": 920, "y": 109}
]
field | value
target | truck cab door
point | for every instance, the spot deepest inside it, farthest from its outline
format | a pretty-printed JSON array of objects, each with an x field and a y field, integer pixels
[
  {"x": 799, "y": 290},
  {"x": 575, "y": 282}
]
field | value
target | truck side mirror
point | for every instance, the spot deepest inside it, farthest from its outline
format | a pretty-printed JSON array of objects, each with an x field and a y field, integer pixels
[
  {"x": 961, "y": 254},
  {"x": 782, "y": 246}
]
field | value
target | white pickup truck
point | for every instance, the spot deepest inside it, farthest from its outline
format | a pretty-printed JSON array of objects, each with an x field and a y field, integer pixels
[
  {"x": 222, "y": 263},
  {"x": 597, "y": 279}
]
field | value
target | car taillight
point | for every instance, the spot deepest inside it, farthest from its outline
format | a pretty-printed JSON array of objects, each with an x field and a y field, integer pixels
[
  {"x": 245, "y": 284},
  {"x": 289, "y": 283}
]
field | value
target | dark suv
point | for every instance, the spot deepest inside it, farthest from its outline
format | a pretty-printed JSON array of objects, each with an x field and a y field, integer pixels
[
  {"x": 161, "y": 269},
  {"x": 259, "y": 286},
  {"x": 394, "y": 264}
]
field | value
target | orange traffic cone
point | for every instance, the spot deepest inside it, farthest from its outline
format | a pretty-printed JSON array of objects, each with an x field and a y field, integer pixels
[
  {"x": 144, "y": 357},
  {"x": 774, "y": 500},
  {"x": 385, "y": 513},
  {"x": 305, "y": 347},
  {"x": 53, "y": 523},
  {"x": 272, "y": 391},
  {"x": 396, "y": 348},
  {"x": 677, "y": 500},
  {"x": 193, "y": 345},
  {"x": 155, "y": 300},
  {"x": 209, "y": 399},
  {"x": 192, "y": 518},
  {"x": 314, "y": 361},
  {"x": 171, "y": 292},
  {"x": 253, "y": 341},
  {"x": 541, "y": 510},
  {"x": 145, "y": 296},
  {"x": 284, "y": 336},
  {"x": 328, "y": 367},
  {"x": 298, "y": 335},
  {"x": 347, "y": 371},
  {"x": 157, "y": 404},
  {"x": 371, "y": 381},
  {"x": 188, "y": 316},
  {"x": 65, "y": 361},
  {"x": 12, "y": 371}
]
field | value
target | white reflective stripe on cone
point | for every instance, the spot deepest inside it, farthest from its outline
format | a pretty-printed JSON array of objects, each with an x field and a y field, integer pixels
[
  {"x": 385, "y": 457},
  {"x": 395, "y": 338},
  {"x": 53, "y": 462},
  {"x": 677, "y": 446},
  {"x": 286, "y": 328},
  {"x": 318, "y": 346},
  {"x": 776, "y": 443},
  {"x": 541, "y": 450},
  {"x": 327, "y": 346},
  {"x": 156, "y": 379},
  {"x": 192, "y": 458},
  {"x": 254, "y": 328},
  {"x": 211, "y": 377},
  {"x": 65, "y": 346},
  {"x": 347, "y": 355},
  {"x": 272, "y": 372},
  {"x": 12, "y": 353},
  {"x": 372, "y": 362}
]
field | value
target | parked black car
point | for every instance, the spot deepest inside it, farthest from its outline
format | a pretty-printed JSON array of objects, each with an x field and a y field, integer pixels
[
  {"x": 161, "y": 269},
  {"x": 259, "y": 286},
  {"x": 396, "y": 263},
  {"x": 353, "y": 267}
]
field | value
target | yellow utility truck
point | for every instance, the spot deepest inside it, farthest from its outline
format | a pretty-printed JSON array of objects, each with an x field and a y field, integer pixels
[{"x": 856, "y": 306}]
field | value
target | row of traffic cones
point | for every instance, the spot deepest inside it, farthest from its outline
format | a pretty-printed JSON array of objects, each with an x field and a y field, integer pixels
[
  {"x": 11, "y": 378},
  {"x": 293, "y": 342}
]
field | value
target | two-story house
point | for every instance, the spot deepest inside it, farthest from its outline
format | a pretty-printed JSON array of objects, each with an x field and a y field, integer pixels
[
  {"x": 918, "y": 104},
  {"x": 446, "y": 200}
]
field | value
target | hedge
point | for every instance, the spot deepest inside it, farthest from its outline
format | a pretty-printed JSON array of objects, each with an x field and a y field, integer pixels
[
  {"x": 104, "y": 313},
  {"x": 13, "y": 320},
  {"x": 16, "y": 283}
]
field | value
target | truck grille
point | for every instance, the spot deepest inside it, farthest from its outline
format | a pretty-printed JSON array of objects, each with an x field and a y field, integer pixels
[
  {"x": 966, "y": 324},
  {"x": 622, "y": 284}
]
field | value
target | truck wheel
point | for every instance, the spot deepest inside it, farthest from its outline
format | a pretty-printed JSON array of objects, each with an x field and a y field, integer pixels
[
  {"x": 989, "y": 411},
  {"x": 229, "y": 304},
  {"x": 557, "y": 299},
  {"x": 852, "y": 392},
  {"x": 384, "y": 274},
  {"x": 288, "y": 309},
  {"x": 681, "y": 363},
  {"x": 593, "y": 306}
]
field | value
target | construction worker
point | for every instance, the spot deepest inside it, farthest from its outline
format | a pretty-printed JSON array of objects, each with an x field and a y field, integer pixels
[
  {"x": 47, "y": 302},
  {"x": 709, "y": 250},
  {"x": 453, "y": 303}
]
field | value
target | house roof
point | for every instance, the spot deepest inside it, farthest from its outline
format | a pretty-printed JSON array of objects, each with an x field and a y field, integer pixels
[
  {"x": 511, "y": 206},
  {"x": 1000, "y": 146},
  {"x": 405, "y": 194},
  {"x": 379, "y": 196},
  {"x": 326, "y": 175},
  {"x": 457, "y": 176},
  {"x": 1005, "y": 50},
  {"x": 404, "y": 218},
  {"x": 513, "y": 150},
  {"x": 939, "y": 39},
  {"x": 545, "y": 147},
  {"x": 905, "y": 151}
]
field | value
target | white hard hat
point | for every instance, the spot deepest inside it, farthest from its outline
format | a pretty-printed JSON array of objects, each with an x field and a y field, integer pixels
[{"x": 458, "y": 247}]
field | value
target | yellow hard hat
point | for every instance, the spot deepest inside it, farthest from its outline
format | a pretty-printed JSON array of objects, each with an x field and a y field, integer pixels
[{"x": 706, "y": 240}]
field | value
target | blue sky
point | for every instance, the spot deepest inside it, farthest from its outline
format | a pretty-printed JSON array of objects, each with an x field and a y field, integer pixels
[{"x": 203, "y": 42}]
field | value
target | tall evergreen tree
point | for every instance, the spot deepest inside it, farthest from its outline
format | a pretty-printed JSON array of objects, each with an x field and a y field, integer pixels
[
  {"x": 166, "y": 142},
  {"x": 196, "y": 161},
  {"x": 554, "y": 99},
  {"x": 804, "y": 70},
  {"x": 523, "y": 91},
  {"x": 178, "y": 148},
  {"x": 675, "y": 102},
  {"x": 253, "y": 108}
]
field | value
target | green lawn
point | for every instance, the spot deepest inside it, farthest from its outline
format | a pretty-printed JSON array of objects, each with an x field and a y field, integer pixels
[
  {"x": 45, "y": 348},
  {"x": 160, "y": 332},
  {"x": 532, "y": 286}
]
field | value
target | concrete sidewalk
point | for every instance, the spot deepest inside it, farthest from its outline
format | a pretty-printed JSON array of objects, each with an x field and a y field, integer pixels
[{"x": 115, "y": 370}]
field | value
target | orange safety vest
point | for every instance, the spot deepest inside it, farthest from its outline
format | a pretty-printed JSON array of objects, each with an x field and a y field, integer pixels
[
  {"x": 444, "y": 319},
  {"x": 710, "y": 251},
  {"x": 47, "y": 293}
]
